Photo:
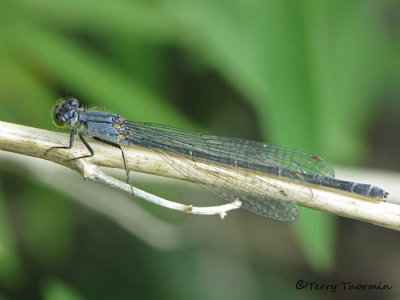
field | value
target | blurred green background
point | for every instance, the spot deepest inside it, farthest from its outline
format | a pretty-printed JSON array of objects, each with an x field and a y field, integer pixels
[{"x": 321, "y": 76}]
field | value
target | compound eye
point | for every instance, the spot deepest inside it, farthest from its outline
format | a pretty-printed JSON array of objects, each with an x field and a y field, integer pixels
[
  {"x": 60, "y": 120},
  {"x": 72, "y": 102}
]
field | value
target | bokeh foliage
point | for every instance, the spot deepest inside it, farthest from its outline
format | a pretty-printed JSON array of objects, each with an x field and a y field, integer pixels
[{"x": 307, "y": 74}]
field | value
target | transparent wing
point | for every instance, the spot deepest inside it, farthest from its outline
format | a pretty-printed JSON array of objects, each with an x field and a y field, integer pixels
[
  {"x": 256, "y": 154},
  {"x": 252, "y": 191},
  {"x": 258, "y": 195}
]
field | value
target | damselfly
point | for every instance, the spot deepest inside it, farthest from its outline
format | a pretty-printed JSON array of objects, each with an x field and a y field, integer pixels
[{"x": 185, "y": 150}]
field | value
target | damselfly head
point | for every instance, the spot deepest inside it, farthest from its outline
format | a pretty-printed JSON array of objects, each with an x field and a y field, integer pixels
[{"x": 64, "y": 112}]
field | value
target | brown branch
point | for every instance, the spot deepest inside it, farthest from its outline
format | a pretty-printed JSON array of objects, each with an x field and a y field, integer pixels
[{"x": 34, "y": 142}]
